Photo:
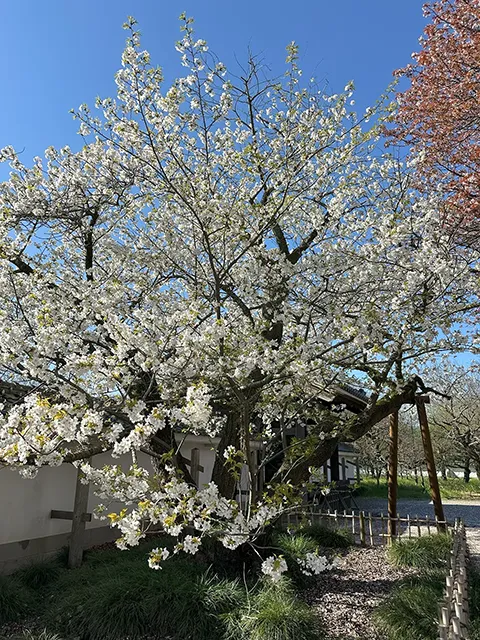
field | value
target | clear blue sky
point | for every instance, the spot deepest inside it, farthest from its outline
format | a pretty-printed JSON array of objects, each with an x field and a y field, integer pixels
[{"x": 57, "y": 54}]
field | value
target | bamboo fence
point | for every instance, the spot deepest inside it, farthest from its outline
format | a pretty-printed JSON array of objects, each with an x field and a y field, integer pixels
[
  {"x": 366, "y": 528},
  {"x": 454, "y": 615}
]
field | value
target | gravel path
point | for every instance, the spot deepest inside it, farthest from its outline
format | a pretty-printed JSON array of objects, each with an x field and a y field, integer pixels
[{"x": 345, "y": 598}]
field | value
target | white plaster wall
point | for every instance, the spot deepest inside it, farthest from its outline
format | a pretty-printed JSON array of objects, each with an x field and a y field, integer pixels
[{"x": 25, "y": 504}]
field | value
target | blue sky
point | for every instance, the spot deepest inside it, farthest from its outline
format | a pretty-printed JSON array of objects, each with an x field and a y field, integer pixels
[{"x": 57, "y": 54}]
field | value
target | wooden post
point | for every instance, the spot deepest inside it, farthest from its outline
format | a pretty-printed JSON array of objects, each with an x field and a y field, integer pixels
[
  {"x": 80, "y": 506},
  {"x": 429, "y": 459},
  {"x": 344, "y": 469},
  {"x": 393, "y": 475},
  {"x": 194, "y": 465},
  {"x": 334, "y": 466},
  {"x": 357, "y": 470},
  {"x": 363, "y": 537}
]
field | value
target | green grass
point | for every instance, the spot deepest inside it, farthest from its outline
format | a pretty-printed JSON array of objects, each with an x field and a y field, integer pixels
[
  {"x": 450, "y": 489},
  {"x": 411, "y": 611},
  {"x": 113, "y": 600},
  {"x": 426, "y": 553},
  {"x": 407, "y": 488},
  {"x": 273, "y": 613},
  {"x": 16, "y": 600},
  {"x": 116, "y": 596},
  {"x": 456, "y": 488},
  {"x": 39, "y": 574}
]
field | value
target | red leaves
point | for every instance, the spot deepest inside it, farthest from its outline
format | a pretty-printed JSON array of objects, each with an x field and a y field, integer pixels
[{"x": 439, "y": 115}]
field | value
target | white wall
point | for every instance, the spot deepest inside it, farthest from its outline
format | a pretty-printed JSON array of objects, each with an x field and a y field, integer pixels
[{"x": 25, "y": 504}]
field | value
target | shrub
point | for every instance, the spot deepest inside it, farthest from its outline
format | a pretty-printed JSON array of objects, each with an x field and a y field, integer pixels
[
  {"x": 273, "y": 613},
  {"x": 15, "y": 599},
  {"x": 39, "y": 574},
  {"x": 128, "y": 599},
  {"x": 292, "y": 547},
  {"x": 474, "y": 594},
  {"x": 44, "y": 635},
  {"x": 329, "y": 538},
  {"x": 424, "y": 553},
  {"x": 411, "y": 611},
  {"x": 295, "y": 545},
  {"x": 474, "y": 630}
]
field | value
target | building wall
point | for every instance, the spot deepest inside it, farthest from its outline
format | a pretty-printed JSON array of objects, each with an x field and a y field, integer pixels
[{"x": 28, "y": 532}]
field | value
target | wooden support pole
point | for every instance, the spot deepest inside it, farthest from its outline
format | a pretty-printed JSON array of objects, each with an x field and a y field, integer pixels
[
  {"x": 393, "y": 475},
  {"x": 75, "y": 551},
  {"x": 363, "y": 537},
  {"x": 344, "y": 469},
  {"x": 429, "y": 459}
]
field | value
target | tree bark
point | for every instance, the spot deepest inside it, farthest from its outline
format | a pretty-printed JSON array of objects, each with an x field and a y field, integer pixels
[{"x": 222, "y": 476}]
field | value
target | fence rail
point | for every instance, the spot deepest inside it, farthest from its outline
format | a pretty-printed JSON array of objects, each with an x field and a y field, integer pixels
[
  {"x": 366, "y": 528},
  {"x": 454, "y": 615}
]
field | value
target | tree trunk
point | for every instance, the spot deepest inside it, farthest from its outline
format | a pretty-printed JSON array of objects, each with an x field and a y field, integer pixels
[
  {"x": 221, "y": 475},
  {"x": 466, "y": 470}
]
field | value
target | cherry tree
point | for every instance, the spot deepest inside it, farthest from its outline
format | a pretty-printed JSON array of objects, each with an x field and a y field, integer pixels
[
  {"x": 456, "y": 418},
  {"x": 438, "y": 114},
  {"x": 217, "y": 256}
]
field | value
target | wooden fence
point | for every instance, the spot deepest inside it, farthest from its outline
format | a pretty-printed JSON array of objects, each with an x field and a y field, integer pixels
[
  {"x": 366, "y": 528},
  {"x": 454, "y": 608}
]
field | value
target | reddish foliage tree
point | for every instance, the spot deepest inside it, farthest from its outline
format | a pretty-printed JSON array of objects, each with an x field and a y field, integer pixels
[{"x": 439, "y": 115}]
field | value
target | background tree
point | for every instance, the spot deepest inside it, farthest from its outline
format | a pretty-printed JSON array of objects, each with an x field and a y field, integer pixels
[
  {"x": 439, "y": 114},
  {"x": 457, "y": 421},
  {"x": 373, "y": 450},
  {"x": 215, "y": 258}
]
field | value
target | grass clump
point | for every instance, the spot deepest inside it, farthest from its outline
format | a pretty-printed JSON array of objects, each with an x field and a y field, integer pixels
[
  {"x": 411, "y": 611},
  {"x": 273, "y": 613},
  {"x": 39, "y": 574},
  {"x": 31, "y": 635},
  {"x": 112, "y": 601},
  {"x": 329, "y": 538},
  {"x": 294, "y": 546},
  {"x": 426, "y": 553},
  {"x": 15, "y": 599}
]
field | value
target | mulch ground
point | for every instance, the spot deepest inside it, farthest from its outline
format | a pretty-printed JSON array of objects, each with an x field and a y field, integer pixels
[{"x": 346, "y": 597}]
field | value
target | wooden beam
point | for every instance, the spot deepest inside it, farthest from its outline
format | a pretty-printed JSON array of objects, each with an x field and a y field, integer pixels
[
  {"x": 420, "y": 401},
  {"x": 393, "y": 475},
  {"x": 68, "y": 515}
]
